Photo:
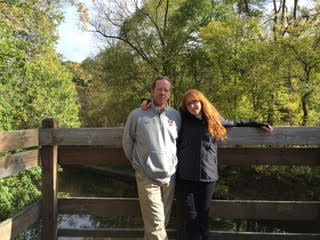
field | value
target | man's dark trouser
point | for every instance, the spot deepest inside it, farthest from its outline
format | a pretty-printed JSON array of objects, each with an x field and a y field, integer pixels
[{"x": 193, "y": 201}]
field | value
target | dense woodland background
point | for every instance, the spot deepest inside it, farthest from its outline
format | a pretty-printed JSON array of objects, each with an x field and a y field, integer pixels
[{"x": 254, "y": 59}]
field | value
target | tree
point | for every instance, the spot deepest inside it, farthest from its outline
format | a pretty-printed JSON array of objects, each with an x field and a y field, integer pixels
[
  {"x": 34, "y": 85},
  {"x": 118, "y": 82},
  {"x": 227, "y": 49},
  {"x": 303, "y": 45},
  {"x": 162, "y": 34},
  {"x": 296, "y": 31}
]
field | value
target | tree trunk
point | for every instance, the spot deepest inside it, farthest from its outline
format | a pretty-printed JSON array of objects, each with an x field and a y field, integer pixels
[
  {"x": 305, "y": 110},
  {"x": 246, "y": 7},
  {"x": 295, "y": 6}
]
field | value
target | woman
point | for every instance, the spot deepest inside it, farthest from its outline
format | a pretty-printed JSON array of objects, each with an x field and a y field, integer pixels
[{"x": 197, "y": 172}]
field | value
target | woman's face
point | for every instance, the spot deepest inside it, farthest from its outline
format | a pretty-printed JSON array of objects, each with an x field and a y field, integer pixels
[{"x": 194, "y": 106}]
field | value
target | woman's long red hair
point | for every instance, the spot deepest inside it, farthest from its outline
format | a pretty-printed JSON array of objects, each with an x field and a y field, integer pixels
[{"x": 216, "y": 129}]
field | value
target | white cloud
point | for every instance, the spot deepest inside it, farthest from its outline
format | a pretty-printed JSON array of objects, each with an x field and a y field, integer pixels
[{"x": 74, "y": 44}]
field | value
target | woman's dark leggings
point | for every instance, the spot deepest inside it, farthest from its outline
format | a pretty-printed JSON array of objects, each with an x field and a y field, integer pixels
[{"x": 192, "y": 209}]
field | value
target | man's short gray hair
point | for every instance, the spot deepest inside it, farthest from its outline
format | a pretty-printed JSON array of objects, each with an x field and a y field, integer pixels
[{"x": 159, "y": 78}]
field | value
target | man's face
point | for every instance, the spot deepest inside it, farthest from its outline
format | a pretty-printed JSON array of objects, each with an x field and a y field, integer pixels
[{"x": 161, "y": 93}]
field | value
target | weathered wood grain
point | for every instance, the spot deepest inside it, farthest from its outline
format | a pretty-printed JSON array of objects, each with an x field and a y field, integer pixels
[
  {"x": 91, "y": 155},
  {"x": 269, "y": 156},
  {"x": 12, "y": 140},
  {"x": 226, "y": 209},
  {"x": 99, "y": 206},
  {"x": 11, "y": 227},
  {"x": 266, "y": 210},
  {"x": 49, "y": 211},
  {"x": 18, "y": 162},
  {"x": 111, "y": 137},
  {"x": 226, "y": 155},
  {"x": 214, "y": 235},
  {"x": 279, "y": 136}
]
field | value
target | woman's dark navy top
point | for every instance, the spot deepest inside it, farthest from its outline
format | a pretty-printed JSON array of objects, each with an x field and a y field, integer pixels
[{"x": 197, "y": 149}]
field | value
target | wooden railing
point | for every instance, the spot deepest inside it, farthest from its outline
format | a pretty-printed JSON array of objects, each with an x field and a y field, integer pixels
[
  {"x": 103, "y": 146},
  {"x": 15, "y": 163}
]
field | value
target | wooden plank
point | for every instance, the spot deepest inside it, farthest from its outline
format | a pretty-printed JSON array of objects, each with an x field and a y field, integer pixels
[
  {"x": 18, "y": 162},
  {"x": 11, "y": 227},
  {"x": 227, "y": 155},
  {"x": 91, "y": 155},
  {"x": 214, "y": 235},
  {"x": 266, "y": 210},
  {"x": 103, "y": 233},
  {"x": 269, "y": 156},
  {"x": 12, "y": 140},
  {"x": 279, "y": 136},
  {"x": 104, "y": 207},
  {"x": 226, "y": 209},
  {"x": 224, "y": 235},
  {"x": 49, "y": 161},
  {"x": 111, "y": 137}
]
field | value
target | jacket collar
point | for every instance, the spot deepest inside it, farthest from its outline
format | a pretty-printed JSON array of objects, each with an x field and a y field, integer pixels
[
  {"x": 186, "y": 114},
  {"x": 156, "y": 109}
]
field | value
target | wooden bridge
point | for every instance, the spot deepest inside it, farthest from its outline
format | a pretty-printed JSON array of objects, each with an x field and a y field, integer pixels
[{"x": 103, "y": 146}]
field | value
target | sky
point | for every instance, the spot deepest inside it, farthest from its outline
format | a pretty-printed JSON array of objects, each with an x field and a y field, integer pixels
[
  {"x": 290, "y": 3},
  {"x": 74, "y": 45}
]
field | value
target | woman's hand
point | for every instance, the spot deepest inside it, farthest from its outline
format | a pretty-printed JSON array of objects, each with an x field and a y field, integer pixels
[
  {"x": 267, "y": 128},
  {"x": 145, "y": 105}
]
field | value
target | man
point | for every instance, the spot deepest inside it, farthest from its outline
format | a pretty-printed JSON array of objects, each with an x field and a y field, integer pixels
[{"x": 149, "y": 142}]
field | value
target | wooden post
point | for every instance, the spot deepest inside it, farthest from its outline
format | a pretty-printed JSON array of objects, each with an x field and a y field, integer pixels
[{"x": 49, "y": 211}]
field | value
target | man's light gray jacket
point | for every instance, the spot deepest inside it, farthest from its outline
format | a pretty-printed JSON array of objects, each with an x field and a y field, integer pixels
[{"x": 149, "y": 141}]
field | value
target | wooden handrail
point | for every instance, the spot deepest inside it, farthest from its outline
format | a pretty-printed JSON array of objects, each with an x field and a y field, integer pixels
[
  {"x": 111, "y": 137},
  {"x": 12, "y": 140}
]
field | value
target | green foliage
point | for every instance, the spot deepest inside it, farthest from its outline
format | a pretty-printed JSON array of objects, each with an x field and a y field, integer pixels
[
  {"x": 18, "y": 191},
  {"x": 51, "y": 92},
  {"x": 292, "y": 173},
  {"x": 221, "y": 191},
  {"x": 34, "y": 85},
  {"x": 111, "y": 96},
  {"x": 249, "y": 64},
  {"x": 46, "y": 90}
]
